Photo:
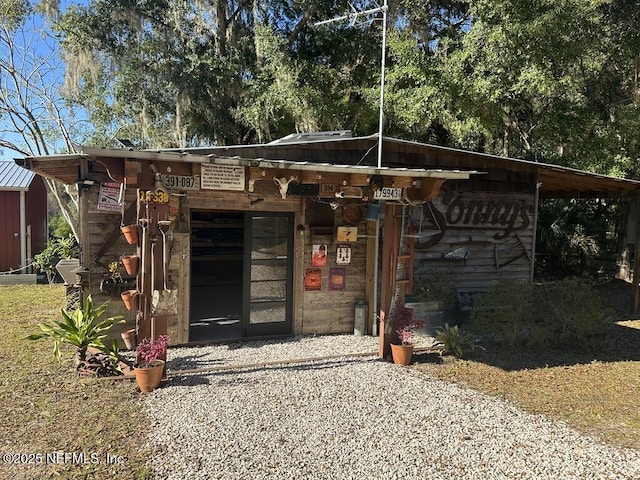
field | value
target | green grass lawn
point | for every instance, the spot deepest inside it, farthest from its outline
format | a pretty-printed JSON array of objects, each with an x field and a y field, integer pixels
[{"x": 65, "y": 427}]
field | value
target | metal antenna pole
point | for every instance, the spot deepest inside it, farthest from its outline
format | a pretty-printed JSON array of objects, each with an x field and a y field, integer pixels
[
  {"x": 353, "y": 17},
  {"x": 382, "y": 65}
]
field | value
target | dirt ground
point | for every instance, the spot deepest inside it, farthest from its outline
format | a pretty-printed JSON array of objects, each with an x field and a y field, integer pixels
[{"x": 597, "y": 392}]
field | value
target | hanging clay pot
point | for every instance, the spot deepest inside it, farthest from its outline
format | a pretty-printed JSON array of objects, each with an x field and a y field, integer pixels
[
  {"x": 130, "y": 233},
  {"x": 129, "y": 338},
  {"x": 130, "y": 263},
  {"x": 129, "y": 298},
  {"x": 402, "y": 354}
]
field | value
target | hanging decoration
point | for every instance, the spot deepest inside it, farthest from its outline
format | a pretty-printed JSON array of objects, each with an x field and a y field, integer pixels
[
  {"x": 313, "y": 279},
  {"x": 336, "y": 278},
  {"x": 319, "y": 255},
  {"x": 343, "y": 254}
]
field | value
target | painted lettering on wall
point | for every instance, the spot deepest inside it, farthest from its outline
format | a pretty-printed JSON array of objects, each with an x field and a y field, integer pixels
[{"x": 507, "y": 215}]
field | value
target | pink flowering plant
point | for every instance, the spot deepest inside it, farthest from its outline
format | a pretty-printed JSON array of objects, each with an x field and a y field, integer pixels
[
  {"x": 148, "y": 351},
  {"x": 405, "y": 324}
]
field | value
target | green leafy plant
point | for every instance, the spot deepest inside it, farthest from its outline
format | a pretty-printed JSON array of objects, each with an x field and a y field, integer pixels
[
  {"x": 435, "y": 285},
  {"x": 80, "y": 328},
  {"x": 55, "y": 250},
  {"x": 114, "y": 355},
  {"x": 569, "y": 313},
  {"x": 453, "y": 341},
  {"x": 505, "y": 312}
]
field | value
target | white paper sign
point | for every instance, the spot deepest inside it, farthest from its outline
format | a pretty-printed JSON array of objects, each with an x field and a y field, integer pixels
[
  {"x": 222, "y": 177},
  {"x": 108, "y": 197}
]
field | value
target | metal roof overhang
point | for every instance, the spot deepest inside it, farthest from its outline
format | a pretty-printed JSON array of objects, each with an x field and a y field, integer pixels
[
  {"x": 65, "y": 168},
  {"x": 419, "y": 160},
  {"x": 555, "y": 181}
]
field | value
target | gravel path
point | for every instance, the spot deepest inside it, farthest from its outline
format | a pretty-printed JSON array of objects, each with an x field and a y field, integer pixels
[{"x": 352, "y": 418}]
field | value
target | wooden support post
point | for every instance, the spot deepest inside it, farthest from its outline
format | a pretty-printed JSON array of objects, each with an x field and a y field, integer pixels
[
  {"x": 636, "y": 262},
  {"x": 391, "y": 235},
  {"x": 150, "y": 276}
]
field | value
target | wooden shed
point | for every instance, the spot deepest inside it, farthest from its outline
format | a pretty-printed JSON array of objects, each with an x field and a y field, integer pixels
[
  {"x": 23, "y": 210},
  {"x": 292, "y": 237}
]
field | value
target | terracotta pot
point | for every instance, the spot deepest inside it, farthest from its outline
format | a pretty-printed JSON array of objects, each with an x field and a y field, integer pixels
[
  {"x": 130, "y": 263},
  {"x": 129, "y": 338},
  {"x": 402, "y": 354},
  {"x": 149, "y": 378},
  {"x": 129, "y": 298},
  {"x": 130, "y": 233}
]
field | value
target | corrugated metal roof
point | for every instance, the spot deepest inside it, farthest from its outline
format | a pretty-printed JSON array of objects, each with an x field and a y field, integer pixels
[
  {"x": 14, "y": 177},
  {"x": 401, "y": 157}
]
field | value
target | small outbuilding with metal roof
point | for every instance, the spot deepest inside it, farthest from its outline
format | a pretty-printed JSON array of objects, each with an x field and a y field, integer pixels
[
  {"x": 289, "y": 237},
  {"x": 23, "y": 210}
]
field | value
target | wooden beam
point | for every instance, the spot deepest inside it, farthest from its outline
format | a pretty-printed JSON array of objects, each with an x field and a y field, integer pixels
[
  {"x": 636, "y": 263},
  {"x": 391, "y": 233},
  {"x": 129, "y": 217},
  {"x": 131, "y": 172}
]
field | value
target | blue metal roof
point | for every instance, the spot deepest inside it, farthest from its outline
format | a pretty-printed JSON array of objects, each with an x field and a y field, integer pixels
[{"x": 14, "y": 177}]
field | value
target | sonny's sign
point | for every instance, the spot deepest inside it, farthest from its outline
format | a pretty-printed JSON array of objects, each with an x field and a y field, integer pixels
[{"x": 457, "y": 211}]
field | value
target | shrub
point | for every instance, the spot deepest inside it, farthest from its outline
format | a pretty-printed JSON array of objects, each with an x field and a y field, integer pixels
[
  {"x": 570, "y": 313},
  {"x": 567, "y": 313},
  {"x": 435, "y": 285},
  {"x": 55, "y": 250},
  {"x": 505, "y": 311}
]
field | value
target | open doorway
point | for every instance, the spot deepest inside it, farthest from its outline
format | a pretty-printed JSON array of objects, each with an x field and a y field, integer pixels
[
  {"x": 217, "y": 250},
  {"x": 241, "y": 275}
]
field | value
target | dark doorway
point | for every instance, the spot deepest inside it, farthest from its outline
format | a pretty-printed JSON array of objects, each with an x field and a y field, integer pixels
[
  {"x": 241, "y": 275},
  {"x": 217, "y": 250}
]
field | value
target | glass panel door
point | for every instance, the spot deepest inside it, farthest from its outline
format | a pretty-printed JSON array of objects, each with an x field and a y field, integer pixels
[{"x": 268, "y": 274}]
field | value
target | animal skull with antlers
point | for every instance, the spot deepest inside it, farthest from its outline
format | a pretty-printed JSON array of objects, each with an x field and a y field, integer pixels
[{"x": 283, "y": 184}]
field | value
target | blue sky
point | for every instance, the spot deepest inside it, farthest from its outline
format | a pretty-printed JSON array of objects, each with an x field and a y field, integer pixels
[{"x": 36, "y": 46}]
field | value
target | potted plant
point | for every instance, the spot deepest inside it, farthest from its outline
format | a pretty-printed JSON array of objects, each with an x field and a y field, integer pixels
[
  {"x": 150, "y": 364},
  {"x": 405, "y": 325},
  {"x": 61, "y": 255},
  {"x": 129, "y": 338}
]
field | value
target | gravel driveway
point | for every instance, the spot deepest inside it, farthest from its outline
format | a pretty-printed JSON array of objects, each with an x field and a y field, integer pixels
[{"x": 352, "y": 418}]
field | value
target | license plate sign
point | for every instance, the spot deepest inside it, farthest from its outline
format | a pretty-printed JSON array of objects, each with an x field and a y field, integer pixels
[
  {"x": 180, "y": 182},
  {"x": 388, "y": 193}
]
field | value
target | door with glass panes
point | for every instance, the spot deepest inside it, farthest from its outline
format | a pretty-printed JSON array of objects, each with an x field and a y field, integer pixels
[{"x": 268, "y": 274}]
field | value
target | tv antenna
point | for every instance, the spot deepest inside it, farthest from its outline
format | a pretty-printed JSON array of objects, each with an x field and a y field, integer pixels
[{"x": 354, "y": 16}]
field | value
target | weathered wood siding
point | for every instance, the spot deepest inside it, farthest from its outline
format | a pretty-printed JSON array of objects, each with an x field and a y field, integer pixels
[
  {"x": 96, "y": 232},
  {"x": 473, "y": 238},
  {"x": 332, "y": 311}
]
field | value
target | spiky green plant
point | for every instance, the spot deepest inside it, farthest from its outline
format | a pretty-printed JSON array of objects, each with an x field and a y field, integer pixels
[
  {"x": 80, "y": 328},
  {"x": 454, "y": 341}
]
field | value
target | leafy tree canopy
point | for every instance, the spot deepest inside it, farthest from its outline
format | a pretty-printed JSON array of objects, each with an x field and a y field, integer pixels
[{"x": 551, "y": 80}]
